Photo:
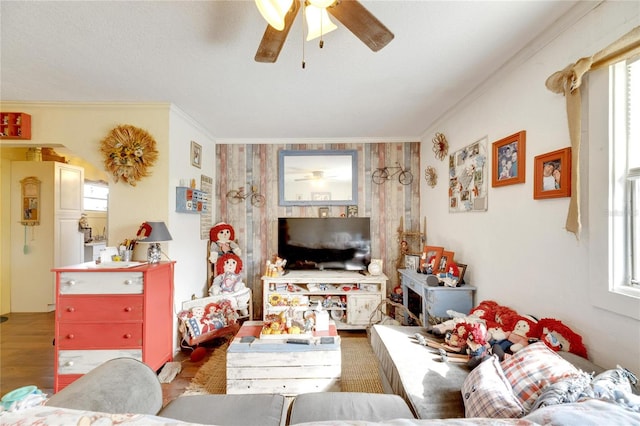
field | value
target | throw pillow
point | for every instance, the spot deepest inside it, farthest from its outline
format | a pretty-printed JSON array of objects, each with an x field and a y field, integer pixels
[
  {"x": 533, "y": 368},
  {"x": 486, "y": 392}
]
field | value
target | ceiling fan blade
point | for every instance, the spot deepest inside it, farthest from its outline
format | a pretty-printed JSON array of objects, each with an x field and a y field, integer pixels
[
  {"x": 361, "y": 23},
  {"x": 273, "y": 40}
]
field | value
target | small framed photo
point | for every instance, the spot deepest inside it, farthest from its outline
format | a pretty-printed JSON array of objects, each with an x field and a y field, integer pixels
[
  {"x": 552, "y": 175},
  {"x": 352, "y": 211},
  {"x": 196, "y": 154},
  {"x": 323, "y": 211},
  {"x": 411, "y": 262},
  {"x": 462, "y": 268},
  {"x": 445, "y": 260},
  {"x": 321, "y": 196},
  {"x": 430, "y": 259},
  {"x": 509, "y": 160}
]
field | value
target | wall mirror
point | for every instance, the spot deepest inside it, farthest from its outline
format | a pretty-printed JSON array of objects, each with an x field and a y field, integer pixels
[{"x": 320, "y": 178}]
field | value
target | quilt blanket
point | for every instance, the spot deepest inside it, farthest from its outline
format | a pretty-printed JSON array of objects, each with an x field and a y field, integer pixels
[{"x": 590, "y": 412}]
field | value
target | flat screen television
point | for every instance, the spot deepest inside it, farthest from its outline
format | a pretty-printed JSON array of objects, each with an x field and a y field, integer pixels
[{"x": 325, "y": 243}]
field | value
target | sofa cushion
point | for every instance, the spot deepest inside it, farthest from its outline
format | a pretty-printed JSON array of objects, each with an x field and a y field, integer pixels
[
  {"x": 371, "y": 407},
  {"x": 227, "y": 410},
  {"x": 430, "y": 387},
  {"x": 533, "y": 368},
  {"x": 120, "y": 385},
  {"x": 486, "y": 392}
]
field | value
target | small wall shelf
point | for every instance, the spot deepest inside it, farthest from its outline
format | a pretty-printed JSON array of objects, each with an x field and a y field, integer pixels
[
  {"x": 190, "y": 200},
  {"x": 15, "y": 125}
]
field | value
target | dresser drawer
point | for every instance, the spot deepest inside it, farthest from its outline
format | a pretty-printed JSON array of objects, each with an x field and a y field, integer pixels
[
  {"x": 101, "y": 282},
  {"x": 99, "y": 335},
  {"x": 100, "y": 308},
  {"x": 81, "y": 362}
]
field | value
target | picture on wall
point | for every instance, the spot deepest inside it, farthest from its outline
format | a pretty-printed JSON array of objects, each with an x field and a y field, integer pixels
[
  {"x": 509, "y": 159},
  {"x": 468, "y": 178},
  {"x": 196, "y": 154},
  {"x": 552, "y": 175}
]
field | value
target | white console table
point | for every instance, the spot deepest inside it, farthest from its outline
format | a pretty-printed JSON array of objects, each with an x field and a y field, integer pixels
[
  {"x": 435, "y": 301},
  {"x": 362, "y": 292}
]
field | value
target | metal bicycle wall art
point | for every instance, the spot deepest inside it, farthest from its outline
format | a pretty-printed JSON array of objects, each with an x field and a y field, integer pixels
[
  {"x": 383, "y": 174},
  {"x": 236, "y": 196}
]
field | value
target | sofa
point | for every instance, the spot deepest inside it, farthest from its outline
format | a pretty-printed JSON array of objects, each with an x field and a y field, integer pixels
[
  {"x": 536, "y": 383},
  {"x": 423, "y": 390}
]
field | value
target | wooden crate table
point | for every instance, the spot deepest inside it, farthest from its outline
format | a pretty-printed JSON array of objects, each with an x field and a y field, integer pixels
[{"x": 275, "y": 366}]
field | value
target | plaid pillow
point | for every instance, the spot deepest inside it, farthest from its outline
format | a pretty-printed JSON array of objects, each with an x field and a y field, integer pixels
[
  {"x": 533, "y": 368},
  {"x": 486, "y": 392}
]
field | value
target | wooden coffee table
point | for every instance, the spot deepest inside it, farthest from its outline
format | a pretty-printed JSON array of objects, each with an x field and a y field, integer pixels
[{"x": 274, "y": 366}]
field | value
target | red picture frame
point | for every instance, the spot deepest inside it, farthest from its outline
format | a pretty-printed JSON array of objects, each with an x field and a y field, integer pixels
[
  {"x": 446, "y": 259},
  {"x": 431, "y": 254},
  {"x": 509, "y": 160},
  {"x": 552, "y": 175}
]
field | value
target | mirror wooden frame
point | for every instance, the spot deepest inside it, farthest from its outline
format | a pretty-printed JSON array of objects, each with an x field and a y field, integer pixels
[{"x": 333, "y": 167}]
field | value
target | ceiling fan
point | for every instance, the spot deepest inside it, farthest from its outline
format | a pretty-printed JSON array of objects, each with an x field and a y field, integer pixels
[
  {"x": 315, "y": 175},
  {"x": 350, "y": 13}
]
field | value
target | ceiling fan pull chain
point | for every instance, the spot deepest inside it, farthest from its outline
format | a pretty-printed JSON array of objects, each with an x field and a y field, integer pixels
[
  {"x": 321, "y": 43},
  {"x": 304, "y": 19}
]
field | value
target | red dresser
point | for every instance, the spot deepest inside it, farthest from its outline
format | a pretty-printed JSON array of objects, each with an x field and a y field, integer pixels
[{"x": 105, "y": 312}]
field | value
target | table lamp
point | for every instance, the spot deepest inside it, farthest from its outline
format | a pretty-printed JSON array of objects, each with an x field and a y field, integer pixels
[{"x": 154, "y": 233}]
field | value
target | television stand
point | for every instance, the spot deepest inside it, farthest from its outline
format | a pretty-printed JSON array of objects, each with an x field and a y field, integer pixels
[{"x": 354, "y": 296}]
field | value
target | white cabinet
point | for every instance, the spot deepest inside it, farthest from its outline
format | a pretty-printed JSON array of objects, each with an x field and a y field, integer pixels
[
  {"x": 360, "y": 306},
  {"x": 92, "y": 251},
  {"x": 352, "y": 296}
]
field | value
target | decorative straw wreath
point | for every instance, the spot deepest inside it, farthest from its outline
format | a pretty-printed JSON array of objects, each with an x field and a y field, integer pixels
[{"x": 128, "y": 153}]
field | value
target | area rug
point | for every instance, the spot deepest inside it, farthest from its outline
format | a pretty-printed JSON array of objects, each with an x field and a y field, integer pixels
[{"x": 359, "y": 369}]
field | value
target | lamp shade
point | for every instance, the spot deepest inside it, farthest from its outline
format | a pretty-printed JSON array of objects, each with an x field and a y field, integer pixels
[
  {"x": 274, "y": 11},
  {"x": 157, "y": 233},
  {"x": 318, "y": 22}
]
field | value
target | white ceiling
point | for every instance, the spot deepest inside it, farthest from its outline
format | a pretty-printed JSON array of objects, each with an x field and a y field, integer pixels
[{"x": 198, "y": 55}]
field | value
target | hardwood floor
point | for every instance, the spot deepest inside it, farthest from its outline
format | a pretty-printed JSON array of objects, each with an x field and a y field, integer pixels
[{"x": 26, "y": 356}]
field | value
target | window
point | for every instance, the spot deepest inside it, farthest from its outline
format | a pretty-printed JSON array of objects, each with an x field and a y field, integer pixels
[
  {"x": 624, "y": 146},
  {"x": 612, "y": 176},
  {"x": 96, "y": 196}
]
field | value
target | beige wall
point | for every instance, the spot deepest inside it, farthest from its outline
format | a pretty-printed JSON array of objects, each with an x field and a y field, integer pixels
[{"x": 81, "y": 127}]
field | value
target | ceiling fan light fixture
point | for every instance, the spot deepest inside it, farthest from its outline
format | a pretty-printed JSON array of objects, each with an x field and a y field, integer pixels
[
  {"x": 274, "y": 11},
  {"x": 318, "y": 22}
]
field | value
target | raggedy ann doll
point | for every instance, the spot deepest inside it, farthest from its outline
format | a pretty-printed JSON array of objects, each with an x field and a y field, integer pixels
[
  {"x": 222, "y": 240},
  {"x": 477, "y": 346},
  {"x": 228, "y": 281}
]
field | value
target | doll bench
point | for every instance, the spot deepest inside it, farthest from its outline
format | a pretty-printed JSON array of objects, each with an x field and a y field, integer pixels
[{"x": 206, "y": 318}]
